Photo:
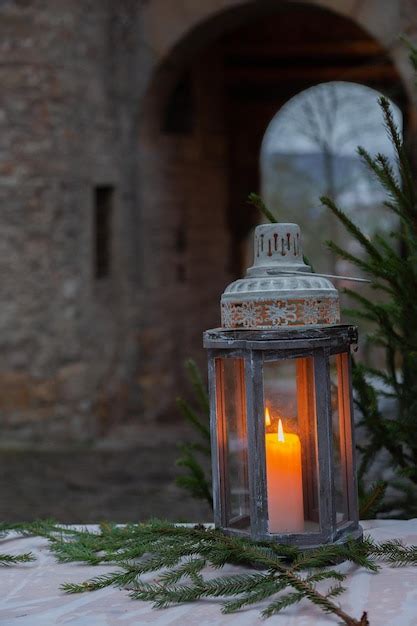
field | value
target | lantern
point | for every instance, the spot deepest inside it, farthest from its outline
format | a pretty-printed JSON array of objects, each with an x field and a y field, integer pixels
[{"x": 281, "y": 402}]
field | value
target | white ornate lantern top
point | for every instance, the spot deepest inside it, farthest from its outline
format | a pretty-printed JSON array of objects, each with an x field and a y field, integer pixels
[{"x": 271, "y": 294}]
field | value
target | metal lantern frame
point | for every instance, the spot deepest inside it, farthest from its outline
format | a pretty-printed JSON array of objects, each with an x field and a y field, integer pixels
[{"x": 254, "y": 348}]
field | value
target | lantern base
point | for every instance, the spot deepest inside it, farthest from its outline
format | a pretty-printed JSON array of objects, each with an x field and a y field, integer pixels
[{"x": 342, "y": 537}]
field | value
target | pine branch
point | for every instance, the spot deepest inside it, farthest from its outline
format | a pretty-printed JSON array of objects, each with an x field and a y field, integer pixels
[
  {"x": 118, "y": 579},
  {"x": 39, "y": 528},
  {"x": 327, "y": 574},
  {"x": 371, "y": 501},
  {"x": 384, "y": 173},
  {"x": 228, "y": 548},
  {"x": 394, "y": 552},
  {"x": 190, "y": 568},
  {"x": 268, "y": 589},
  {"x": 193, "y": 418},
  {"x": 402, "y": 159},
  {"x": 164, "y": 596},
  {"x": 259, "y": 204},
  {"x": 195, "y": 481},
  {"x": 175, "y": 553},
  {"x": 353, "y": 229},
  {"x": 347, "y": 256},
  {"x": 282, "y": 603},
  {"x": 333, "y": 554},
  {"x": 199, "y": 387},
  {"x": 14, "y": 559},
  {"x": 412, "y": 52}
]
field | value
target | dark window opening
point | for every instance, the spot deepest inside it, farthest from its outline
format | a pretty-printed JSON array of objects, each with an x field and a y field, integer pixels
[
  {"x": 181, "y": 249},
  {"x": 179, "y": 112},
  {"x": 103, "y": 209}
]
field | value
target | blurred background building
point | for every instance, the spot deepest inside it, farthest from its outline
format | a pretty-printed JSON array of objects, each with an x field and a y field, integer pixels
[{"x": 131, "y": 135}]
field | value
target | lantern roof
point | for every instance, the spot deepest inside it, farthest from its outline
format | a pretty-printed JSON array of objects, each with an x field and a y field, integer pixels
[{"x": 279, "y": 289}]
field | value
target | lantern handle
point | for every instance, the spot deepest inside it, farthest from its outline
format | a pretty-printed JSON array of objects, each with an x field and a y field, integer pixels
[{"x": 351, "y": 278}]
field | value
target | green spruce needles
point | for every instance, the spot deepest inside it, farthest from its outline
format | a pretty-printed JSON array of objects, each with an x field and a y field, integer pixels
[{"x": 168, "y": 564}]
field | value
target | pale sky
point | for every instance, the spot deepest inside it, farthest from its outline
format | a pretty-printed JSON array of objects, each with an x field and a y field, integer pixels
[{"x": 343, "y": 114}]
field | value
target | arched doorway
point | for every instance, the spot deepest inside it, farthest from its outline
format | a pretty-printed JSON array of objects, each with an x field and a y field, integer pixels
[{"x": 202, "y": 125}]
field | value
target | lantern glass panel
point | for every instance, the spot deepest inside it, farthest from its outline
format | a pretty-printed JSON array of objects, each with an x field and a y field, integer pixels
[
  {"x": 291, "y": 446},
  {"x": 233, "y": 441},
  {"x": 340, "y": 398}
]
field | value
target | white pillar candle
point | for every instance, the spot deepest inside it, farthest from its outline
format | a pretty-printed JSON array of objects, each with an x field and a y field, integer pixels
[{"x": 284, "y": 482}]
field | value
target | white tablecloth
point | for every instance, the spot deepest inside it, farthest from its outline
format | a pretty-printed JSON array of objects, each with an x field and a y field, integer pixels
[{"x": 30, "y": 595}]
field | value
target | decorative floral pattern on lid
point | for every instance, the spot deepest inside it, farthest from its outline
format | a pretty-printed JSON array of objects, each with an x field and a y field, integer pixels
[{"x": 272, "y": 294}]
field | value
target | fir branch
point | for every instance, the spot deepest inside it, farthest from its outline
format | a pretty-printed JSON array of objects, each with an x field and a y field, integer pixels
[
  {"x": 277, "y": 606},
  {"x": 174, "y": 553},
  {"x": 326, "y": 574},
  {"x": 191, "y": 416},
  {"x": 191, "y": 568},
  {"x": 255, "y": 200},
  {"x": 119, "y": 579},
  {"x": 371, "y": 501},
  {"x": 218, "y": 550},
  {"x": 334, "y": 591},
  {"x": 199, "y": 387},
  {"x": 394, "y": 552},
  {"x": 195, "y": 481},
  {"x": 412, "y": 52},
  {"x": 347, "y": 256},
  {"x": 352, "y": 228},
  {"x": 257, "y": 595},
  {"x": 14, "y": 559},
  {"x": 384, "y": 173},
  {"x": 394, "y": 134},
  {"x": 38, "y": 528},
  {"x": 66, "y": 553},
  {"x": 331, "y": 554}
]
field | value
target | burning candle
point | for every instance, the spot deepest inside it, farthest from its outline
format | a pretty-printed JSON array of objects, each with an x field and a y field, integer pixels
[{"x": 284, "y": 480}]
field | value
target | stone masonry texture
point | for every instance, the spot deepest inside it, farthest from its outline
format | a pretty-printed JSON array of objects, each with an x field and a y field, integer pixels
[{"x": 85, "y": 87}]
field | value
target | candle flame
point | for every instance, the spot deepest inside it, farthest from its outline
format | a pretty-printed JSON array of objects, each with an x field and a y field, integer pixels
[
  {"x": 267, "y": 417},
  {"x": 280, "y": 431}
]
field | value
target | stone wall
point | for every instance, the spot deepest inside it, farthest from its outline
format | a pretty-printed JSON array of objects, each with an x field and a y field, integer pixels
[
  {"x": 79, "y": 354},
  {"x": 62, "y": 132},
  {"x": 85, "y": 86}
]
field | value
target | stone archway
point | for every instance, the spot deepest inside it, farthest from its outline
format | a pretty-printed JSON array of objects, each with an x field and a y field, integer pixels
[
  {"x": 195, "y": 172},
  {"x": 167, "y": 23}
]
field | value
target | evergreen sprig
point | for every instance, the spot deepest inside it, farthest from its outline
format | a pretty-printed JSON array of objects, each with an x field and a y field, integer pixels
[
  {"x": 255, "y": 200},
  {"x": 181, "y": 560},
  {"x": 371, "y": 500},
  {"x": 14, "y": 559},
  {"x": 391, "y": 264},
  {"x": 196, "y": 455}
]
